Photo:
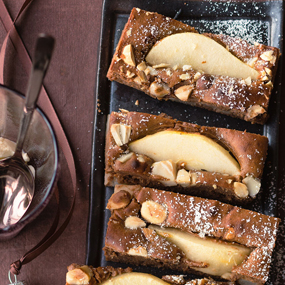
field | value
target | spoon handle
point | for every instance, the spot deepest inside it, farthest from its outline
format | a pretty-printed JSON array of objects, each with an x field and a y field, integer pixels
[{"x": 42, "y": 56}]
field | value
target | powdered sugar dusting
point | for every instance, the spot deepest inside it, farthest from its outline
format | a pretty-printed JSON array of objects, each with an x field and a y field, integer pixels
[
  {"x": 250, "y": 30},
  {"x": 228, "y": 19}
]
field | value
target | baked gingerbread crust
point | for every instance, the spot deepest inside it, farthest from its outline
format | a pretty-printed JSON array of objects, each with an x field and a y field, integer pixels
[
  {"x": 98, "y": 275},
  {"x": 249, "y": 149},
  {"x": 247, "y": 100},
  {"x": 140, "y": 245}
]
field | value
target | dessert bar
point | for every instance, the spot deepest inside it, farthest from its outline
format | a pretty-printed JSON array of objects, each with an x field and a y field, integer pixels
[
  {"x": 163, "y": 229},
  {"x": 168, "y": 59},
  {"x": 83, "y": 274},
  {"x": 161, "y": 152}
]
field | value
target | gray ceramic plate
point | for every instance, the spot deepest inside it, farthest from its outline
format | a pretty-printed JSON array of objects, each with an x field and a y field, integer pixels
[{"x": 260, "y": 21}]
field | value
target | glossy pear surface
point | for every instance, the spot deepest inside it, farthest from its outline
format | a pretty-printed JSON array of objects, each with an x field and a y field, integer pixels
[
  {"x": 201, "y": 53},
  {"x": 135, "y": 278},
  {"x": 195, "y": 150},
  {"x": 219, "y": 255}
]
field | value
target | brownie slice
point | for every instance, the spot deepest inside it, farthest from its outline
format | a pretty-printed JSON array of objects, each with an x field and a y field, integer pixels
[
  {"x": 244, "y": 98},
  {"x": 145, "y": 223},
  {"x": 83, "y": 274},
  {"x": 126, "y": 163}
]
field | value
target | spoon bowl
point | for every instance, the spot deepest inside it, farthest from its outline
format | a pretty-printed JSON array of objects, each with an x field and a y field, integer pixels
[
  {"x": 17, "y": 185},
  {"x": 18, "y": 182}
]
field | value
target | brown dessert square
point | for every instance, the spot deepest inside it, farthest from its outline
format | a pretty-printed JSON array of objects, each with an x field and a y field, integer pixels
[
  {"x": 89, "y": 275},
  {"x": 168, "y": 59},
  {"x": 161, "y": 152},
  {"x": 168, "y": 230}
]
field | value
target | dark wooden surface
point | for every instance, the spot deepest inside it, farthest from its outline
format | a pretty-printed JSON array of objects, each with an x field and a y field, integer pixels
[{"x": 70, "y": 83}]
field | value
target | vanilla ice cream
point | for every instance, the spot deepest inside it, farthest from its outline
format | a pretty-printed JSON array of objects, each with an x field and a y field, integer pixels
[{"x": 7, "y": 148}]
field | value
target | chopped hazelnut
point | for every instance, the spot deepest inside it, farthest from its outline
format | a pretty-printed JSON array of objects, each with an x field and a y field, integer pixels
[
  {"x": 130, "y": 74},
  {"x": 140, "y": 251},
  {"x": 138, "y": 80},
  {"x": 77, "y": 276},
  {"x": 121, "y": 133},
  {"x": 269, "y": 84},
  {"x": 194, "y": 178},
  {"x": 254, "y": 111},
  {"x": 151, "y": 71},
  {"x": 128, "y": 55},
  {"x": 265, "y": 78},
  {"x": 268, "y": 71},
  {"x": 125, "y": 157},
  {"x": 197, "y": 75},
  {"x": 267, "y": 55},
  {"x": 153, "y": 212},
  {"x": 165, "y": 169},
  {"x": 253, "y": 185},
  {"x": 240, "y": 190},
  {"x": 141, "y": 158},
  {"x": 119, "y": 200},
  {"x": 159, "y": 89},
  {"x": 141, "y": 66},
  {"x": 183, "y": 92},
  {"x": 133, "y": 222},
  {"x": 142, "y": 76},
  {"x": 185, "y": 76},
  {"x": 186, "y": 67},
  {"x": 183, "y": 178}
]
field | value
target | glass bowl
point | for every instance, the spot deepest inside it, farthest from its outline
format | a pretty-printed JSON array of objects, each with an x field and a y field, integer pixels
[{"x": 40, "y": 145}]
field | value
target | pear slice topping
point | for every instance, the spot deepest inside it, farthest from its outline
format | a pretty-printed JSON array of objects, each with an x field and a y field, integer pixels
[
  {"x": 220, "y": 256},
  {"x": 196, "y": 151},
  {"x": 135, "y": 278},
  {"x": 201, "y": 53}
]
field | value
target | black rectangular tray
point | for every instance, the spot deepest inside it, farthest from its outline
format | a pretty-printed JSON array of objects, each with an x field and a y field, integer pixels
[{"x": 260, "y": 21}]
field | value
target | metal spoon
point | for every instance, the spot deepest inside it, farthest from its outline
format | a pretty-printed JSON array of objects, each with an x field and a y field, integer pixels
[{"x": 17, "y": 182}]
